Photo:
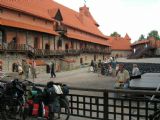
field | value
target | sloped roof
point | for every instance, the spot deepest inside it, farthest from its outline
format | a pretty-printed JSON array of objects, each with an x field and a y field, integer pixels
[
  {"x": 87, "y": 38},
  {"x": 127, "y": 37},
  {"x": 41, "y": 8},
  {"x": 140, "y": 42},
  {"x": 23, "y": 25},
  {"x": 119, "y": 43}
]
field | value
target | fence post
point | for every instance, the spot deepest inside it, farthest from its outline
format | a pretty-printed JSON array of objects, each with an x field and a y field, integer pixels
[{"x": 105, "y": 95}]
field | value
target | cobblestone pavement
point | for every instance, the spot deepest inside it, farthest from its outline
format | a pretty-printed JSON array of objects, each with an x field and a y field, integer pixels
[
  {"x": 82, "y": 78},
  {"x": 79, "y": 78}
]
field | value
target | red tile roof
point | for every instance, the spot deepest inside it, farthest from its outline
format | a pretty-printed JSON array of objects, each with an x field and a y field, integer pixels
[
  {"x": 87, "y": 38},
  {"x": 119, "y": 43},
  {"x": 44, "y": 9},
  {"x": 16, "y": 24},
  {"x": 140, "y": 42}
]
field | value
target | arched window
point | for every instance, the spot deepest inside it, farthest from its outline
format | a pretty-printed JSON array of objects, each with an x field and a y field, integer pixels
[
  {"x": 36, "y": 42},
  {"x": 66, "y": 46},
  {"x": 47, "y": 46},
  {"x": 59, "y": 44}
]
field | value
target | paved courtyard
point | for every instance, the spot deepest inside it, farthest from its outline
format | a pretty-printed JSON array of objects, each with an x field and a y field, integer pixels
[{"x": 82, "y": 78}]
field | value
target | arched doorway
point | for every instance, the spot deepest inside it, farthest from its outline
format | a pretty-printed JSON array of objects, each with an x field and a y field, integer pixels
[
  {"x": 81, "y": 60},
  {"x": 72, "y": 45},
  {"x": 14, "y": 40},
  {"x": 47, "y": 46},
  {"x": 47, "y": 69},
  {"x": 59, "y": 43},
  {"x": 66, "y": 46},
  {"x": 36, "y": 42}
]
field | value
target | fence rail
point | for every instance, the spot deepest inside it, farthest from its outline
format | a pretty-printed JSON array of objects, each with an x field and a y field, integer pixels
[
  {"x": 104, "y": 104},
  {"x": 108, "y": 107}
]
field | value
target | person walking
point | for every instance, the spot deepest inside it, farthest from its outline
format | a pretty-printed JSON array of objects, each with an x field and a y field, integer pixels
[
  {"x": 15, "y": 66},
  {"x": 113, "y": 65},
  {"x": 91, "y": 66},
  {"x": 20, "y": 70},
  {"x": 27, "y": 67},
  {"x": 52, "y": 69},
  {"x": 33, "y": 69}
]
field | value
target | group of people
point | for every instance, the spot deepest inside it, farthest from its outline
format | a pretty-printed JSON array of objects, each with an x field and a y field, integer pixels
[
  {"x": 118, "y": 71},
  {"x": 111, "y": 66},
  {"x": 24, "y": 68},
  {"x": 94, "y": 67},
  {"x": 123, "y": 77}
]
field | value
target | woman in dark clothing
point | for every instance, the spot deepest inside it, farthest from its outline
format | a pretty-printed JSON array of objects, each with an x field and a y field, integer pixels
[{"x": 52, "y": 70}]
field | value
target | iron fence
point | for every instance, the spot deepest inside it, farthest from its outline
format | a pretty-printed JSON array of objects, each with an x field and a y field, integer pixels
[
  {"x": 106, "y": 106},
  {"x": 112, "y": 104}
]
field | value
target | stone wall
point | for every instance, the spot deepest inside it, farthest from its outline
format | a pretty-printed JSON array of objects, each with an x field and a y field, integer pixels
[
  {"x": 61, "y": 64},
  {"x": 157, "y": 52},
  {"x": 120, "y": 53}
]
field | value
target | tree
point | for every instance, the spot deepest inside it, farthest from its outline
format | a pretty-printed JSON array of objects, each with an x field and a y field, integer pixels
[
  {"x": 142, "y": 37},
  {"x": 115, "y": 34},
  {"x": 154, "y": 33}
]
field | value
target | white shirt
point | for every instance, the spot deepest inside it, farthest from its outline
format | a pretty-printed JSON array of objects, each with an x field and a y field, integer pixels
[{"x": 135, "y": 71}]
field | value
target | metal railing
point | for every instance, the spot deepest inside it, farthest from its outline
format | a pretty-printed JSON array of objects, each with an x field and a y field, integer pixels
[
  {"x": 106, "y": 106},
  {"x": 61, "y": 29},
  {"x": 42, "y": 52},
  {"x": 92, "y": 50}
]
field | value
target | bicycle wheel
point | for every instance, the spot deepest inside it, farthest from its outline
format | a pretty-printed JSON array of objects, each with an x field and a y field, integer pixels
[
  {"x": 65, "y": 105},
  {"x": 155, "y": 116}
]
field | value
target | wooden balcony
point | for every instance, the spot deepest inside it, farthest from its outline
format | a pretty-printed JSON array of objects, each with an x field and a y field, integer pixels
[
  {"x": 61, "y": 52},
  {"x": 23, "y": 48},
  {"x": 98, "y": 51},
  {"x": 13, "y": 47},
  {"x": 61, "y": 29}
]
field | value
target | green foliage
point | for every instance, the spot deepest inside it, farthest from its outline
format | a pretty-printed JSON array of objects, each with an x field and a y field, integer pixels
[
  {"x": 114, "y": 34},
  {"x": 154, "y": 33},
  {"x": 141, "y": 37}
]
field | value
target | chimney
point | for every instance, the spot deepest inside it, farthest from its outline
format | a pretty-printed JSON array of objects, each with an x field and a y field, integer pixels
[{"x": 84, "y": 10}]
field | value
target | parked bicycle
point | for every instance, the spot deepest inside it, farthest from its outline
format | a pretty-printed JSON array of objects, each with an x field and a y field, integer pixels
[
  {"x": 55, "y": 98},
  {"x": 26, "y": 101},
  {"x": 11, "y": 100},
  {"x": 44, "y": 103},
  {"x": 155, "y": 116}
]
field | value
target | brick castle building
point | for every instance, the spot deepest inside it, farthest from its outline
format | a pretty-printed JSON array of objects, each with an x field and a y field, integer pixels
[{"x": 45, "y": 30}]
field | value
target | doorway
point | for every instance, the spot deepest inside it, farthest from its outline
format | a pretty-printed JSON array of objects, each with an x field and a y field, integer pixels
[
  {"x": 81, "y": 61},
  {"x": 47, "y": 46},
  {"x": 36, "y": 42}
]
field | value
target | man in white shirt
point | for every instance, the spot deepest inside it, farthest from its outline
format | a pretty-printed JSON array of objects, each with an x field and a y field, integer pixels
[{"x": 135, "y": 72}]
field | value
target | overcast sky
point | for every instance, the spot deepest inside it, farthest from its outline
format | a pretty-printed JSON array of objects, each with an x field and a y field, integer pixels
[{"x": 134, "y": 17}]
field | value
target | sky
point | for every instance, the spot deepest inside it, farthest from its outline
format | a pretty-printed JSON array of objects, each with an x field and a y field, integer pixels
[{"x": 134, "y": 17}]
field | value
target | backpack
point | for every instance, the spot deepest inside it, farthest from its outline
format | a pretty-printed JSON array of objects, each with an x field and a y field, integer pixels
[{"x": 65, "y": 89}]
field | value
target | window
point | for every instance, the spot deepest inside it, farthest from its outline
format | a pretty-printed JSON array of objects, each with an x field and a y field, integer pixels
[
  {"x": 19, "y": 14},
  {"x": 36, "y": 42},
  {"x": 34, "y": 18},
  {"x": 1, "y": 10}
]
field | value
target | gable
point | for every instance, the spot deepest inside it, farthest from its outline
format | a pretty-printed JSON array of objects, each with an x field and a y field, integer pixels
[{"x": 58, "y": 16}]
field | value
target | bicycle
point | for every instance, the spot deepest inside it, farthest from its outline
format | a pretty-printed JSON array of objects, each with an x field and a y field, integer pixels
[
  {"x": 11, "y": 100},
  {"x": 47, "y": 104},
  {"x": 155, "y": 116},
  {"x": 57, "y": 99}
]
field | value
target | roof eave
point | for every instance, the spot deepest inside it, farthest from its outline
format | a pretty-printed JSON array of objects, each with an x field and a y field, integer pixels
[{"x": 26, "y": 12}]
